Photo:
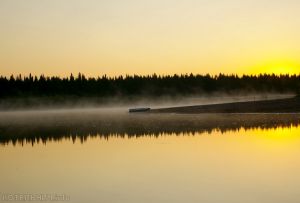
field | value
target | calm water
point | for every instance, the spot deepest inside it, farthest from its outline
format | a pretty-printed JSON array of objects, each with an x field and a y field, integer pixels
[{"x": 228, "y": 163}]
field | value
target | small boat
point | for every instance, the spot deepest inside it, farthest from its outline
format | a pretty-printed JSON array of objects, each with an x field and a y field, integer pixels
[{"x": 136, "y": 110}]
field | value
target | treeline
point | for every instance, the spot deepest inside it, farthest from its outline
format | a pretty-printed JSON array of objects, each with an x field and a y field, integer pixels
[{"x": 150, "y": 85}]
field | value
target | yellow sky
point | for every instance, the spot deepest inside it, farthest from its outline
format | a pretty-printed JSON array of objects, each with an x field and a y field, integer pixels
[{"x": 57, "y": 37}]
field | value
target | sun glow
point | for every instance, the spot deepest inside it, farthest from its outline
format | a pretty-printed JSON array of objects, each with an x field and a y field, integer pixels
[
  {"x": 278, "y": 67},
  {"x": 281, "y": 70}
]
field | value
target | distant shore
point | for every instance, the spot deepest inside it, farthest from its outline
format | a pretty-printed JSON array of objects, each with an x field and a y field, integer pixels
[{"x": 287, "y": 105}]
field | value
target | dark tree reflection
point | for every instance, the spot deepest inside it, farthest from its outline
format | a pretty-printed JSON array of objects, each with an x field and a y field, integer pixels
[{"x": 44, "y": 127}]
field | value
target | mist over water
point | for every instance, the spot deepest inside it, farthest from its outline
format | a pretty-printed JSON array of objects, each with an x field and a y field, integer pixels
[
  {"x": 122, "y": 103},
  {"x": 213, "y": 99},
  {"x": 43, "y": 126}
]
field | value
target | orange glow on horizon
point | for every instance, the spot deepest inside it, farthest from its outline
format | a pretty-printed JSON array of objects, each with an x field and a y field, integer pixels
[{"x": 146, "y": 37}]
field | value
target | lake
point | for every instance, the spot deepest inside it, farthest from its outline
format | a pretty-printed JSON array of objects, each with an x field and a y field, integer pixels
[{"x": 96, "y": 156}]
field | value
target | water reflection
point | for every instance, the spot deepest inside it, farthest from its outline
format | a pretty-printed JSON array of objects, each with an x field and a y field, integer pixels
[
  {"x": 249, "y": 166},
  {"x": 35, "y": 127}
]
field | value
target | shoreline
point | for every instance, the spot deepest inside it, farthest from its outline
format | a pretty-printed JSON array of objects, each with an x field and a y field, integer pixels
[{"x": 287, "y": 105}]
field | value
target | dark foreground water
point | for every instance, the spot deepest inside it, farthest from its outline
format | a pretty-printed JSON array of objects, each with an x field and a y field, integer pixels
[{"x": 97, "y": 156}]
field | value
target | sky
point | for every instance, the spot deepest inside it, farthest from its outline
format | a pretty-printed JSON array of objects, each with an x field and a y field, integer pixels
[{"x": 119, "y": 37}]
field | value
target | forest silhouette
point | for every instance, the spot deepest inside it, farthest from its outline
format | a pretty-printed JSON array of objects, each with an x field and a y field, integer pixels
[{"x": 150, "y": 85}]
